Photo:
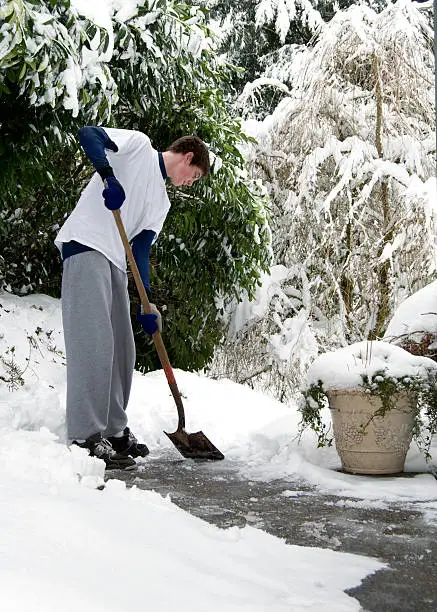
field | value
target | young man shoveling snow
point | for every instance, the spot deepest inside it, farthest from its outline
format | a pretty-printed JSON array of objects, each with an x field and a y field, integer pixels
[{"x": 98, "y": 334}]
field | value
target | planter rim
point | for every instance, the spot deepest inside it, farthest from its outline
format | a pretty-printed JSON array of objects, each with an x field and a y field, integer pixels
[{"x": 355, "y": 391}]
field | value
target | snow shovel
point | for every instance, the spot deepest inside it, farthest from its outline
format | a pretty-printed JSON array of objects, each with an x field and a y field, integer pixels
[{"x": 190, "y": 445}]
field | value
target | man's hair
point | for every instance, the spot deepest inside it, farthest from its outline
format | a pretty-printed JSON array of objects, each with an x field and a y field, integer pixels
[{"x": 193, "y": 144}]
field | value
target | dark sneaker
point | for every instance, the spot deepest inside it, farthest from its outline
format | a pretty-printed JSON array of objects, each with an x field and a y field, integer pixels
[
  {"x": 100, "y": 447},
  {"x": 128, "y": 445}
]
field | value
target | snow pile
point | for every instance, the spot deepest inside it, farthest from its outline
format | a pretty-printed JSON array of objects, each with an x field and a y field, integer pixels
[
  {"x": 121, "y": 549},
  {"x": 32, "y": 364},
  {"x": 255, "y": 431}
]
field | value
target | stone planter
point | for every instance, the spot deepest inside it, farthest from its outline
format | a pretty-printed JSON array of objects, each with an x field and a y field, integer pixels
[{"x": 367, "y": 444}]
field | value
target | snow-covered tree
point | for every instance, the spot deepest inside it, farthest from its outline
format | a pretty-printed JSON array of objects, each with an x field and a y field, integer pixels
[
  {"x": 255, "y": 33},
  {"x": 349, "y": 157}
]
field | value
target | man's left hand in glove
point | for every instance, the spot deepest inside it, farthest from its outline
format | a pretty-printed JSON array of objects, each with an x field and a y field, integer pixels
[{"x": 150, "y": 322}]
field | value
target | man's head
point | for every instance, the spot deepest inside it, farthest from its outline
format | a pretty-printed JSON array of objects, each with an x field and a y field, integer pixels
[{"x": 186, "y": 160}]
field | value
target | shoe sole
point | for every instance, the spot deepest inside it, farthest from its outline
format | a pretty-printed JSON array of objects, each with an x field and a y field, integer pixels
[
  {"x": 133, "y": 454},
  {"x": 123, "y": 468}
]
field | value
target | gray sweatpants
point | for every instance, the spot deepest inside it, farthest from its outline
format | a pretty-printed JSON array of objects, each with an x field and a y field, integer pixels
[{"x": 99, "y": 345}]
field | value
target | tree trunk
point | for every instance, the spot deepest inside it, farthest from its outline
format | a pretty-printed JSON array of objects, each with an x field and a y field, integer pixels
[
  {"x": 347, "y": 285},
  {"x": 382, "y": 268}
]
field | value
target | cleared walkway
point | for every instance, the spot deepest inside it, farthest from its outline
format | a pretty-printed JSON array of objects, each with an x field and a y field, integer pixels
[{"x": 398, "y": 534}]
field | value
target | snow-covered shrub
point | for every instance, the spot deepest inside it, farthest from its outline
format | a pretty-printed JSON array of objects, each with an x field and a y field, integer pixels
[
  {"x": 53, "y": 55},
  {"x": 414, "y": 323},
  {"x": 273, "y": 339},
  {"x": 53, "y": 77}
]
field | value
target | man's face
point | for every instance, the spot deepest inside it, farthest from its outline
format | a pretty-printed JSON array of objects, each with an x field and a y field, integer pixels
[{"x": 185, "y": 173}]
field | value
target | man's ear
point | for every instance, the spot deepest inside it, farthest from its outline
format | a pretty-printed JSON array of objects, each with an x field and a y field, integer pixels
[{"x": 189, "y": 157}]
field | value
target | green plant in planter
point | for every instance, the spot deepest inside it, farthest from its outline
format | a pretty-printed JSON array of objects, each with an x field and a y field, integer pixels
[{"x": 379, "y": 369}]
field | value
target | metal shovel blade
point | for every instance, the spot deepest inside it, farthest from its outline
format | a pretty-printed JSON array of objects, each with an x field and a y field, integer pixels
[{"x": 194, "y": 445}]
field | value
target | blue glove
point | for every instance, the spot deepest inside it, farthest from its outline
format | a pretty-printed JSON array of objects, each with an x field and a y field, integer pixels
[
  {"x": 113, "y": 194},
  {"x": 151, "y": 321}
]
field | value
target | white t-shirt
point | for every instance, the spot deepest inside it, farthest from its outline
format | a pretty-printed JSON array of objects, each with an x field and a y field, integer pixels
[{"x": 136, "y": 166}]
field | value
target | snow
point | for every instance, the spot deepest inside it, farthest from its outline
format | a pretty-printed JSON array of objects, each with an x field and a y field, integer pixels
[
  {"x": 246, "y": 312},
  {"x": 285, "y": 11},
  {"x": 67, "y": 545},
  {"x": 71, "y": 78},
  {"x": 415, "y": 315},
  {"x": 100, "y": 13},
  {"x": 61, "y": 539},
  {"x": 345, "y": 367}
]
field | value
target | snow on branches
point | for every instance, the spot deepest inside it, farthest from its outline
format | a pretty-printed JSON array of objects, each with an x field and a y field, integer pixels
[
  {"x": 283, "y": 13},
  {"x": 349, "y": 160}
]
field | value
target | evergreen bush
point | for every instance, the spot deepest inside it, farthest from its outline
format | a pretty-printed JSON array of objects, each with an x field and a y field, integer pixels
[{"x": 153, "y": 69}]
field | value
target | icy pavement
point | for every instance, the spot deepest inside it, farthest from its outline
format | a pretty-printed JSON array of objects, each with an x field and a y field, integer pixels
[{"x": 404, "y": 535}]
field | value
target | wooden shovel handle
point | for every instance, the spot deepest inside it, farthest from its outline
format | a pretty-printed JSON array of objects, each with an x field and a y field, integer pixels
[{"x": 157, "y": 338}]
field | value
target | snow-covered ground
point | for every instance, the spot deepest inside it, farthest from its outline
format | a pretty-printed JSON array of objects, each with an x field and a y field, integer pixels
[{"x": 65, "y": 543}]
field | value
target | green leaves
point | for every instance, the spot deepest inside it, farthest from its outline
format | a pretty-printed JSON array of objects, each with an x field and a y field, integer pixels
[{"x": 41, "y": 48}]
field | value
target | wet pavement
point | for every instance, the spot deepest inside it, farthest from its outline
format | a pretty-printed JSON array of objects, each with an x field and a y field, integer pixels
[{"x": 403, "y": 535}]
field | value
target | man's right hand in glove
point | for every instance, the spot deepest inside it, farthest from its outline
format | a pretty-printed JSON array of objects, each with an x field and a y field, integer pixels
[
  {"x": 151, "y": 321},
  {"x": 113, "y": 194}
]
